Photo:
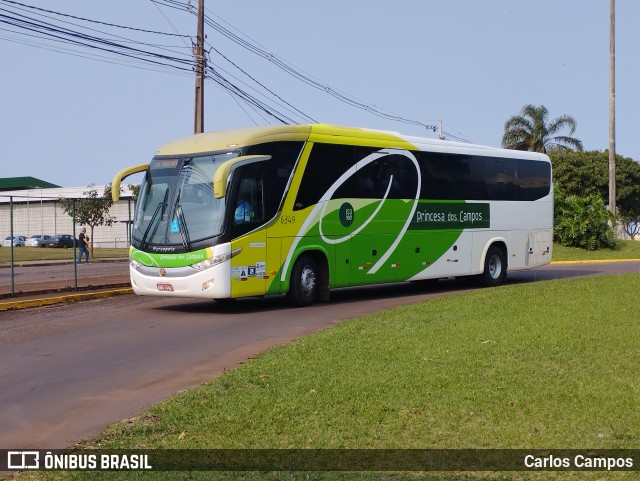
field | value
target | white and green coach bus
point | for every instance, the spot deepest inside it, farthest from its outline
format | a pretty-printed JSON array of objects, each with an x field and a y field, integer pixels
[{"x": 305, "y": 209}]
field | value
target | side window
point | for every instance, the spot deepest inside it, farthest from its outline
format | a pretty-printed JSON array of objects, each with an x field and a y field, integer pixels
[
  {"x": 501, "y": 179},
  {"x": 478, "y": 177},
  {"x": 249, "y": 205},
  {"x": 534, "y": 178},
  {"x": 277, "y": 171},
  {"x": 246, "y": 199},
  {"x": 327, "y": 162},
  {"x": 395, "y": 173},
  {"x": 450, "y": 176}
]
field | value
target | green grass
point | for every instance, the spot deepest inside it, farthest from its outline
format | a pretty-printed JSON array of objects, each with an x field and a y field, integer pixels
[
  {"x": 27, "y": 254},
  {"x": 545, "y": 365},
  {"x": 625, "y": 249}
]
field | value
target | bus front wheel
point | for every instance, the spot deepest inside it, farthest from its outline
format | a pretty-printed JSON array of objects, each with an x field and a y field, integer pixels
[
  {"x": 303, "y": 286},
  {"x": 495, "y": 267}
]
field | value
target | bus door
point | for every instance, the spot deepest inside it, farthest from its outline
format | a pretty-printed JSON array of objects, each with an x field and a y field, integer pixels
[{"x": 246, "y": 212}]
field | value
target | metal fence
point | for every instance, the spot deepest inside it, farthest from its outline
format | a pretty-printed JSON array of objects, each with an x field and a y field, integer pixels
[{"x": 27, "y": 269}]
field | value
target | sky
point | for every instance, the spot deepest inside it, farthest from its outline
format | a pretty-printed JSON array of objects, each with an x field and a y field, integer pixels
[{"x": 75, "y": 120}]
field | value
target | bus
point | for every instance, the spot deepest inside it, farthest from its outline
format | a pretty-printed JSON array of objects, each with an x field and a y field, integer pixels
[{"x": 301, "y": 210}]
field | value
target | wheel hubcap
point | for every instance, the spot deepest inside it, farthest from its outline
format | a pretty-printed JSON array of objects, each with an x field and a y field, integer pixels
[
  {"x": 495, "y": 267},
  {"x": 308, "y": 281}
]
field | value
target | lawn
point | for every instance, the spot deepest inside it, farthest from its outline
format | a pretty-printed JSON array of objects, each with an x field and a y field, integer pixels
[
  {"x": 543, "y": 365},
  {"x": 625, "y": 249},
  {"x": 26, "y": 254}
]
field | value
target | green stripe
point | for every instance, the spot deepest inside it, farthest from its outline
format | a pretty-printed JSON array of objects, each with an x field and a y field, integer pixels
[{"x": 168, "y": 260}]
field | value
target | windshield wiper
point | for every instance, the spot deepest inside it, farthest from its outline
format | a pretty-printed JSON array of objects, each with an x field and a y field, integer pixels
[
  {"x": 184, "y": 231},
  {"x": 163, "y": 205}
]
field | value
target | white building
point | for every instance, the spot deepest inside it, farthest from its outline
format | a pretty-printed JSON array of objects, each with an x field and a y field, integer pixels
[{"x": 38, "y": 211}]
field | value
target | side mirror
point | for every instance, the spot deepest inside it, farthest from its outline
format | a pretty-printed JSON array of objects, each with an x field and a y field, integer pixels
[
  {"x": 223, "y": 172},
  {"x": 123, "y": 174}
]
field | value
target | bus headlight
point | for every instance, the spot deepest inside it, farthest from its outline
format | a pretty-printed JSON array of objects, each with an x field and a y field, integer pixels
[
  {"x": 135, "y": 265},
  {"x": 215, "y": 260}
]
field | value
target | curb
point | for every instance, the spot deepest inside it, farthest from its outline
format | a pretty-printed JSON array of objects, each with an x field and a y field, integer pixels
[
  {"x": 603, "y": 261},
  {"x": 25, "y": 304}
]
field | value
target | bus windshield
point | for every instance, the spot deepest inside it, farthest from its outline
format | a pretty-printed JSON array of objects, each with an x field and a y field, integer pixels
[{"x": 176, "y": 205}]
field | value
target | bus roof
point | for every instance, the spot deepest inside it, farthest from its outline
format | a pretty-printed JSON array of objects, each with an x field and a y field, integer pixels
[{"x": 228, "y": 139}]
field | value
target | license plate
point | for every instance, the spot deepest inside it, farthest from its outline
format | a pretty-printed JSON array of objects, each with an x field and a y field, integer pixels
[{"x": 165, "y": 287}]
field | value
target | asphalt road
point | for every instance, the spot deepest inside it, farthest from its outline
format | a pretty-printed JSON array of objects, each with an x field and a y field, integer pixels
[
  {"x": 51, "y": 275},
  {"x": 68, "y": 370}
]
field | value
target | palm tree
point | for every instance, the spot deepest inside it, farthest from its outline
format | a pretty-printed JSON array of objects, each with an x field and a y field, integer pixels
[{"x": 530, "y": 131}]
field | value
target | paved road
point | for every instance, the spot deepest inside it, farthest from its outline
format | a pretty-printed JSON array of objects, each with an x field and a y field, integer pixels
[
  {"x": 67, "y": 370},
  {"x": 50, "y": 275}
]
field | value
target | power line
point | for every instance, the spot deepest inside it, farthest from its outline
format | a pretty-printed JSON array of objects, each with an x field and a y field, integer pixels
[
  {"x": 133, "y": 52},
  {"x": 93, "y": 21},
  {"x": 65, "y": 35},
  {"x": 306, "y": 79},
  {"x": 309, "y": 118}
]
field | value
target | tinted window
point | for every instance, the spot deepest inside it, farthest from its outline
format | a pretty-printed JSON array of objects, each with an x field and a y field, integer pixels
[
  {"x": 276, "y": 171},
  {"x": 394, "y": 173},
  {"x": 501, "y": 178},
  {"x": 327, "y": 162},
  {"x": 444, "y": 176},
  {"x": 250, "y": 201},
  {"x": 534, "y": 179},
  {"x": 455, "y": 176},
  {"x": 246, "y": 198},
  {"x": 451, "y": 176}
]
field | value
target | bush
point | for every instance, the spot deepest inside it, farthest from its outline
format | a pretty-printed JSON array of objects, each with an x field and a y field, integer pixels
[{"x": 582, "y": 222}]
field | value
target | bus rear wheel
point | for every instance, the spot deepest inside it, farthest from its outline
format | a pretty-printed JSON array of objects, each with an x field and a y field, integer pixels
[
  {"x": 495, "y": 267},
  {"x": 303, "y": 286}
]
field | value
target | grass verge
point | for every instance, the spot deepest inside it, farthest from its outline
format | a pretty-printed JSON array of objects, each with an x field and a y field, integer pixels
[
  {"x": 545, "y": 365},
  {"x": 625, "y": 249},
  {"x": 25, "y": 254}
]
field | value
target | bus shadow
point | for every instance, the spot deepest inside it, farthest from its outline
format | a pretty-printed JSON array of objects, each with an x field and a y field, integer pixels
[
  {"x": 347, "y": 295},
  {"x": 419, "y": 291}
]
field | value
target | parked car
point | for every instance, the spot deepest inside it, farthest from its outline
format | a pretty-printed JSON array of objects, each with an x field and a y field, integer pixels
[
  {"x": 61, "y": 240},
  {"x": 37, "y": 240},
  {"x": 18, "y": 241}
]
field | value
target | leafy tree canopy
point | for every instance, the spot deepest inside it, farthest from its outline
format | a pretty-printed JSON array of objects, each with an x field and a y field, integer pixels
[
  {"x": 587, "y": 173},
  {"x": 91, "y": 210},
  {"x": 532, "y": 130}
]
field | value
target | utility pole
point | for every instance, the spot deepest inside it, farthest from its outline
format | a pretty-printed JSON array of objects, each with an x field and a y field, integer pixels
[
  {"x": 612, "y": 110},
  {"x": 198, "y": 124}
]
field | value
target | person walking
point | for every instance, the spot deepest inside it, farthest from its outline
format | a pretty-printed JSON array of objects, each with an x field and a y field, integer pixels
[{"x": 83, "y": 247}]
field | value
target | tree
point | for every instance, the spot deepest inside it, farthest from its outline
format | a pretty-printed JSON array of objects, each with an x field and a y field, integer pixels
[
  {"x": 92, "y": 210},
  {"x": 531, "y": 131},
  {"x": 582, "y": 222},
  {"x": 587, "y": 173},
  {"x": 135, "y": 191}
]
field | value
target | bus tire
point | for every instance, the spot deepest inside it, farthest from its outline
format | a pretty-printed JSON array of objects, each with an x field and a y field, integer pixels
[
  {"x": 304, "y": 281},
  {"x": 495, "y": 267}
]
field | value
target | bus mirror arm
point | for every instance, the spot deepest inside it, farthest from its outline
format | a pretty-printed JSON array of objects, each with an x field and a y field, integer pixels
[
  {"x": 123, "y": 174},
  {"x": 223, "y": 172}
]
